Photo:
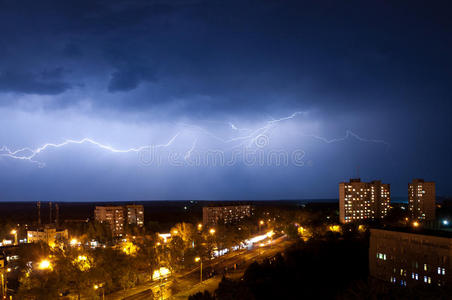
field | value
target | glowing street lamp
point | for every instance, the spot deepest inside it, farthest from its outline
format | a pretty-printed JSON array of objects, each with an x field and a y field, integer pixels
[
  {"x": 212, "y": 231},
  {"x": 44, "y": 265},
  {"x": 199, "y": 226},
  {"x": 415, "y": 224},
  {"x": 14, "y": 232},
  {"x": 98, "y": 286},
  {"x": 198, "y": 259},
  {"x": 261, "y": 222}
]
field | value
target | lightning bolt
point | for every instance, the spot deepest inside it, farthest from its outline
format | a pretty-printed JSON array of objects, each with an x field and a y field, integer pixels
[
  {"x": 29, "y": 154},
  {"x": 266, "y": 128},
  {"x": 233, "y": 126},
  {"x": 348, "y": 134},
  {"x": 248, "y": 139}
]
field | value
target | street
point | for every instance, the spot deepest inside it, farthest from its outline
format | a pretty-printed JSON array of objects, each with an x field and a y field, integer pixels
[{"x": 186, "y": 284}]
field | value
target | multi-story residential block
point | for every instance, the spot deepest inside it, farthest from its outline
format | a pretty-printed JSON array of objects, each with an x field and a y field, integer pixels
[
  {"x": 118, "y": 216},
  {"x": 48, "y": 234},
  {"x": 111, "y": 215},
  {"x": 410, "y": 258},
  {"x": 225, "y": 214},
  {"x": 135, "y": 215},
  {"x": 359, "y": 201},
  {"x": 422, "y": 200}
]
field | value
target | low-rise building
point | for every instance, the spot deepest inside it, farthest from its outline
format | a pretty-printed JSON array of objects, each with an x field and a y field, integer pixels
[
  {"x": 409, "y": 258},
  {"x": 225, "y": 214},
  {"x": 49, "y": 234}
]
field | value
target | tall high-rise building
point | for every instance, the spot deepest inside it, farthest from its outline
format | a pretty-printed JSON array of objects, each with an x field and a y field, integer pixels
[
  {"x": 135, "y": 215},
  {"x": 363, "y": 200},
  {"x": 111, "y": 215},
  {"x": 422, "y": 199}
]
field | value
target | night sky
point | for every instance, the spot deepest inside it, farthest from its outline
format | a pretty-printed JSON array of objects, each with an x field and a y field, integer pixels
[{"x": 294, "y": 96}]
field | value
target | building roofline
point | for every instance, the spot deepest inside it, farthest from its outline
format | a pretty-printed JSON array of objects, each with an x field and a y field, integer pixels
[{"x": 417, "y": 231}]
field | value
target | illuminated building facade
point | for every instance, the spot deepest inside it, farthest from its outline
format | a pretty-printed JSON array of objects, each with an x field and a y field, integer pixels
[
  {"x": 422, "y": 200},
  {"x": 135, "y": 215},
  {"x": 49, "y": 234},
  {"x": 228, "y": 214},
  {"x": 359, "y": 201},
  {"x": 111, "y": 215},
  {"x": 118, "y": 216},
  {"x": 411, "y": 258}
]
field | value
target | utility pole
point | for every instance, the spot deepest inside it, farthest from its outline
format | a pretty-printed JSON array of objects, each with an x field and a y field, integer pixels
[
  {"x": 200, "y": 273},
  {"x": 4, "y": 283},
  {"x": 198, "y": 258}
]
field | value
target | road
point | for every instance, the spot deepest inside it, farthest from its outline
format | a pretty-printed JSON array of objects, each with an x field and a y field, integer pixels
[{"x": 185, "y": 284}]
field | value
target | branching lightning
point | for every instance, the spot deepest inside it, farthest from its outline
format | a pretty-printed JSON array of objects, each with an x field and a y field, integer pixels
[
  {"x": 348, "y": 134},
  {"x": 247, "y": 139},
  {"x": 29, "y": 154}
]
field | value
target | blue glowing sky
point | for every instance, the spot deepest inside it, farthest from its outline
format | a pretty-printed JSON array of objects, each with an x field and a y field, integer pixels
[{"x": 149, "y": 100}]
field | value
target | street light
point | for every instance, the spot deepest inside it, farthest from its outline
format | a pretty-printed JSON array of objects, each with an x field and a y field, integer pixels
[
  {"x": 415, "y": 224},
  {"x": 98, "y": 286},
  {"x": 199, "y": 226},
  {"x": 14, "y": 232},
  {"x": 212, "y": 231},
  {"x": 260, "y": 224},
  {"x": 44, "y": 265},
  {"x": 4, "y": 285},
  {"x": 200, "y": 267}
]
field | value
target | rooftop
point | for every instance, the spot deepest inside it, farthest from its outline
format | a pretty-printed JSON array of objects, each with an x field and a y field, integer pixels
[{"x": 422, "y": 231}]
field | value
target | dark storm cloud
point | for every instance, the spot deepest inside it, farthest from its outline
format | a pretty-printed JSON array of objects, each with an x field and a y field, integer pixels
[
  {"x": 46, "y": 82},
  {"x": 233, "y": 54},
  {"x": 380, "y": 68}
]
